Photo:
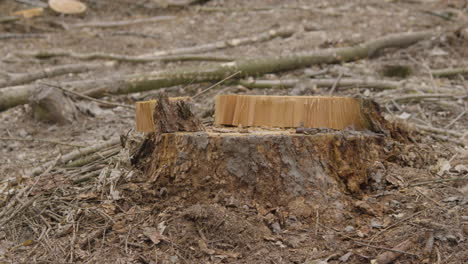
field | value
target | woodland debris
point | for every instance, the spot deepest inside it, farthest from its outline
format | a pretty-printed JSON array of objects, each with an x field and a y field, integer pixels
[
  {"x": 52, "y": 106},
  {"x": 7, "y": 19},
  {"x": 76, "y": 154},
  {"x": 21, "y": 36},
  {"x": 48, "y": 141},
  {"x": 32, "y": 3},
  {"x": 166, "y": 54},
  {"x": 399, "y": 71},
  {"x": 18, "y": 79},
  {"x": 69, "y": 7},
  {"x": 449, "y": 72},
  {"x": 439, "y": 130},
  {"x": 110, "y": 24},
  {"x": 30, "y": 13},
  {"x": 12, "y": 96},
  {"x": 417, "y": 97},
  {"x": 390, "y": 256},
  {"x": 216, "y": 84},
  {"x": 344, "y": 82}
]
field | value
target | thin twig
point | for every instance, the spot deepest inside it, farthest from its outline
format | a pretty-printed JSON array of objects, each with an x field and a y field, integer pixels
[
  {"x": 385, "y": 248},
  {"x": 108, "y": 24},
  {"x": 455, "y": 119},
  {"x": 21, "y": 36},
  {"x": 336, "y": 83},
  {"x": 419, "y": 97},
  {"x": 42, "y": 140},
  {"x": 450, "y": 72},
  {"x": 216, "y": 84},
  {"x": 166, "y": 54},
  {"x": 323, "y": 82},
  {"x": 440, "y": 131},
  {"x": 47, "y": 73},
  {"x": 75, "y": 154},
  {"x": 395, "y": 224},
  {"x": 439, "y": 181}
]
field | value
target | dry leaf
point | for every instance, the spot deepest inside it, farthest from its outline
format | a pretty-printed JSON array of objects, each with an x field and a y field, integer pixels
[
  {"x": 67, "y": 6},
  {"x": 30, "y": 13},
  {"x": 28, "y": 242},
  {"x": 204, "y": 248},
  {"x": 153, "y": 234}
]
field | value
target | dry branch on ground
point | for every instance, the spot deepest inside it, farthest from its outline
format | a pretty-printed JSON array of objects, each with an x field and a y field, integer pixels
[{"x": 12, "y": 96}]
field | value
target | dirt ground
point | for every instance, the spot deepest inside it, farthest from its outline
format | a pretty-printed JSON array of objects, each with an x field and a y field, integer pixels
[{"x": 116, "y": 216}]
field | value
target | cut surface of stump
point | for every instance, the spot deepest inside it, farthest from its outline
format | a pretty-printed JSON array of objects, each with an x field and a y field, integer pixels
[{"x": 289, "y": 111}]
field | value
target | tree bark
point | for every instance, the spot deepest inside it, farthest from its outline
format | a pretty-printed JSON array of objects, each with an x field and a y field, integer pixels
[{"x": 260, "y": 164}]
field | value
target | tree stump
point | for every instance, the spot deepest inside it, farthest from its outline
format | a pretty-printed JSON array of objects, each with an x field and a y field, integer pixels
[{"x": 276, "y": 166}]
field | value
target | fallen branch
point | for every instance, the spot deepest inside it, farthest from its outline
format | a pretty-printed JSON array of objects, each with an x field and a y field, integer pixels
[
  {"x": 447, "y": 139},
  {"x": 7, "y": 19},
  {"x": 93, "y": 157},
  {"x": 109, "y": 24},
  {"x": 161, "y": 55},
  {"x": 439, "y": 131},
  {"x": 456, "y": 119},
  {"x": 36, "y": 3},
  {"x": 397, "y": 251},
  {"x": 75, "y": 154},
  {"x": 19, "y": 79},
  {"x": 21, "y": 36},
  {"x": 262, "y": 37},
  {"x": 42, "y": 141},
  {"x": 439, "y": 181},
  {"x": 418, "y": 97},
  {"x": 16, "y": 95},
  {"x": 190, "y": 57},
  {"x": 450, "y": 72},
  {"x": 344, "y": 82},
  {"x": 321, "y": 11}
]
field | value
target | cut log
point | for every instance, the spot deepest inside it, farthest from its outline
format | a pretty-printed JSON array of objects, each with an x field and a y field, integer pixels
[
  {"x": 289, "y": 111},
  {"x": 50, "y": 105}
]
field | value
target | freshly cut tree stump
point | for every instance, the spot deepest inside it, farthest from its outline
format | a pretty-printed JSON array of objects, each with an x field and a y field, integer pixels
[
  {"x": 272, "y": 165},
  {"x": 289, "y": 111}
]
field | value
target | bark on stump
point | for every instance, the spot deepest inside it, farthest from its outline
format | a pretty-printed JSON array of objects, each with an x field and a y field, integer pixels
[{"x": 270, "y": 166}]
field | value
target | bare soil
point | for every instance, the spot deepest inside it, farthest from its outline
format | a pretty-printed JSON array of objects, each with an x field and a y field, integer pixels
[{"x": 118, "y": 216}]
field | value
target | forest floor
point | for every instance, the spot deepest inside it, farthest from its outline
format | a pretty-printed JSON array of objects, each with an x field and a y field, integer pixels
[{"x": 121, "y": 219}]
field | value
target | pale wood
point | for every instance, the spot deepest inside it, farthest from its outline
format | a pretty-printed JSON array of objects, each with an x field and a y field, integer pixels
[
  {"x": 67, "y": 6},
  {"x": 289, "y": 111}
]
